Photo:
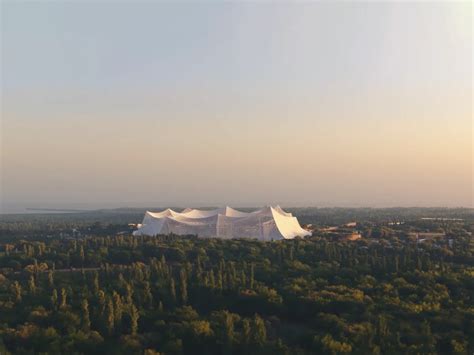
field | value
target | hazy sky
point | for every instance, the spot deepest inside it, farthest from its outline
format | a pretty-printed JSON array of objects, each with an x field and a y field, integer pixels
[{"x": 126, "y": 103}]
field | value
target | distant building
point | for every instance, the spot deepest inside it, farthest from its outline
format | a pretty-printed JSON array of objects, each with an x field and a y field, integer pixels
[
  {"x": 351, "y": 237},
  {"x": 329, "y": 229},
  {"x": 268, "y": 223},
  {"x": 426, "y": 235},
  {"x": 396, "y": 223}
]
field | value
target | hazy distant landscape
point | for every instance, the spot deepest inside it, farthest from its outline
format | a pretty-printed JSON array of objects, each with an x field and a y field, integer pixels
[{"x": 306, "y": 215}]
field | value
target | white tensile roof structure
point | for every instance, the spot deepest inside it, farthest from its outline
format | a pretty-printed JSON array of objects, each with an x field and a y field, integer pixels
[{"x": 268, "y": 223}]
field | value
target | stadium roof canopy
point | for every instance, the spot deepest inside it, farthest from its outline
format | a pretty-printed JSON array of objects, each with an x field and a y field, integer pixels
[{"x": 268, "y": 223}]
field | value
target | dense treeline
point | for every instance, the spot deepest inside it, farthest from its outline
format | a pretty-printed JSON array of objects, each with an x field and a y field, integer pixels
[{"x": 173, "y": 295}]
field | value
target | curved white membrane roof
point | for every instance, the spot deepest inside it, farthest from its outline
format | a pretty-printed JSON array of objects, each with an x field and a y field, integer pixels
[{"x": 268, "y": 223}]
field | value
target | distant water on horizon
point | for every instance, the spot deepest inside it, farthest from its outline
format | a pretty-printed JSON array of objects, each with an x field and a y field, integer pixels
[
  {"x": 28, "y": 210},
  {"x": 46, "y": 208},
  {"x": 36, "y": 208}
]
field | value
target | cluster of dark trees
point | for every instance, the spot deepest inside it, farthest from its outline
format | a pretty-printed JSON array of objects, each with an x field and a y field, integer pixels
[{"x": 175, "y": 295}]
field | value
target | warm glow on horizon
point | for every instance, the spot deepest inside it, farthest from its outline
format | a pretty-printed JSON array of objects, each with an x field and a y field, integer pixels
[{"x": 350, "y": 104}]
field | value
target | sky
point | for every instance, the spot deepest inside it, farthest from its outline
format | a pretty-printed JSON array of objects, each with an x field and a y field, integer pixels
[{"x": 114, "y": 104}]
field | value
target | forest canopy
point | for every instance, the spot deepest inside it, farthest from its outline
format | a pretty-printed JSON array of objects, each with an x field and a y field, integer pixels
[{"x": 119, "y": 294}]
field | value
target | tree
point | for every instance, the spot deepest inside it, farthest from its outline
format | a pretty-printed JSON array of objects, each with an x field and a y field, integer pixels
[
  {"x": 228, "y": 329},
  {"x": 459, "y": 347},
  {"x": 220, "y": 280},
  {"x": 335, "y": 347},
  {"x": 243, "y": 279},
  {"x": 50, "y": 279},
  {"x": 109, "y": 317},
  {"x": 198, "y": 268},
  {"x": 134, "y": 316},
  {"x": 63, "y": 303},
  {"x": 82, "y": 255},
  {"x": 147, "y": 295},
  {"x": 382, "y": 327},
  {"x": 129, "y": 294},
  {"x": 172, "y": 290},
  {"x": 184, "y": 287},
  {"x": 259, "y": 330},
  {"x": 429, "y": 342},
  {"x": 252, "y": 278},
  {"x": 32, "y": 285},
  {"x": 246, "y": 331},
  {"x": 212, "y": 279},
  {"x": 16, "y": 291},
  {"x": 95, "y": 282},
  {"x": 86, "y": 322},
  {"x": 54, "y": 299},
  {"x": 118, "y": 309},
  {"x": 102, "y": 302}
]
